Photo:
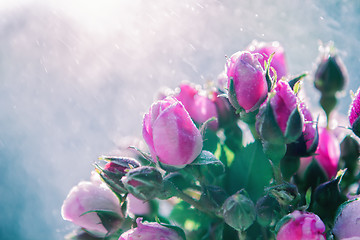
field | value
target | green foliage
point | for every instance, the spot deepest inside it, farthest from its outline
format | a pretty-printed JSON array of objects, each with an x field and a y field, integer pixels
[{"x": 249, "y": 170}]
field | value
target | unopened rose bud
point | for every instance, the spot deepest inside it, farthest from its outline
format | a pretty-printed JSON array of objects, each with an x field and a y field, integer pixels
[
  {"x": 119, "y": 165},
  {"x": 299, "y": 226},
  {"x": 88, "y": 203},
  {"x": 331, "y": 73},
  {"x": 144, "y": 183},
  {"x": 171, "y": 135},
  {"x": 330, "y": 78},
  {"x": 238, "y": 211},
  {"x": 114, "y": 170},
  {"x": 350, "y": 153},
  {"x": 267, "y": 211},
  {"x": 279, "y": 121},
  {"x": 278, "y": 61},
  {"x": 246, "y": 81},
  {"x": 150, "y": 231},
  {"x": 354, "y": 114},
  {"x": 347, "y": 221},
  {"x": 327, "y": 154},
  {"x": 327, "y": 198}
]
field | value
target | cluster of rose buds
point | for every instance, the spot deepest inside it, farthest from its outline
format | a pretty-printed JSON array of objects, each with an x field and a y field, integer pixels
[{"x": 243, "y": 158}]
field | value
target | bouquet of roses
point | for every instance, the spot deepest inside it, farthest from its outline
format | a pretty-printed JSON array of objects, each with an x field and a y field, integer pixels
[{"x": 242, "y": 158}]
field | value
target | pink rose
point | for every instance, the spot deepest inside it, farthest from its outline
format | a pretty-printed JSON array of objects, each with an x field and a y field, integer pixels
[
  {"x": 327, "y": 154},
  {"x": 171, "y": 135},
  {"x": 354, "y": 114},
  {"x": 283, "y": 103},
  {"x": 347, "y": 221},
  {"x": 249, "y": 83},
  {"x": 90, "y": 196},
  {"x": 302, "y": 226},
  {"x": 150, "y": 231}
]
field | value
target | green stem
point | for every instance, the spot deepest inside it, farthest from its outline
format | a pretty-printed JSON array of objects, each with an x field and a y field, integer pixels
[{"x": 253, "y": 130}]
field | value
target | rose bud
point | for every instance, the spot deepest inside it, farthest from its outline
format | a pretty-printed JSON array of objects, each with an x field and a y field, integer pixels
[
  {"x": 354, "y": 114},
  {"x": 330, "y": 77},
  {"x": 144, "y": 183},
  {"x": 299, "y": 226},
  {"x": 171, "y": 135},
  {"x": 238, "y": 211},
  {"x": 88, "y": 203},
  {"x": 150, "y": 231},
  {"x": 119, "y": 165},
  {"x": 327, "y": 154},
  {"x": 331, "y": 73},
  {"x": 279, "y": 121},
  {"x": 114, "y": 170},
  {"x": 347, "y": 220},
  {"x": 327, "y": 197},
  {"x": 200, "y": 107},
  {"x": 267, "y": 211},
  {"x": 278, "y": 61},
  {"x": 246, "y": 81}
]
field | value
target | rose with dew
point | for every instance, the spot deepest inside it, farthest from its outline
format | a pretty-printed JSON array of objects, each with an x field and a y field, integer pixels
[
  {"x": 301, "y": 226},
  {"x": 87, "y": 197},
  {"x": 278, "y": 61},
  {"x": 200, "y": 107},
  {"x": 246, "y": 81},
  {"x": 347, "y": 221},
  {"x": 279, "y": 118},
  {"x": 283, "y": 104},
  {"x": 279, "y": 121},
  {"x": 327, "y": 154},
  {"x": 150, "y": 231},
  {"x": 354, "y": 114},
  {"x": 171, "y": 135}
]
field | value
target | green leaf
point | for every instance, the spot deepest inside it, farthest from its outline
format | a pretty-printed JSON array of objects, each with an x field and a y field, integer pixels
[
  {"x": 211, "y": 140},
  {"x": 295, "y": 82},
  {"x": 270, "y": 82},
  {"x": 232, "y": 96},
  {"x": 269, "y": 128},
  {"x": 308, "y": 198},
  {"x": 206, "y": 158},
  {"x": 189, "y": 218},
  {"x": 250, "y": 170},
  {"x": 294, "y": 126}
]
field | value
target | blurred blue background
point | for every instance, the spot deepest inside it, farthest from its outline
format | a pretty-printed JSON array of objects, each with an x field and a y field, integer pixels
[{"x": 76, "y": 77}]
